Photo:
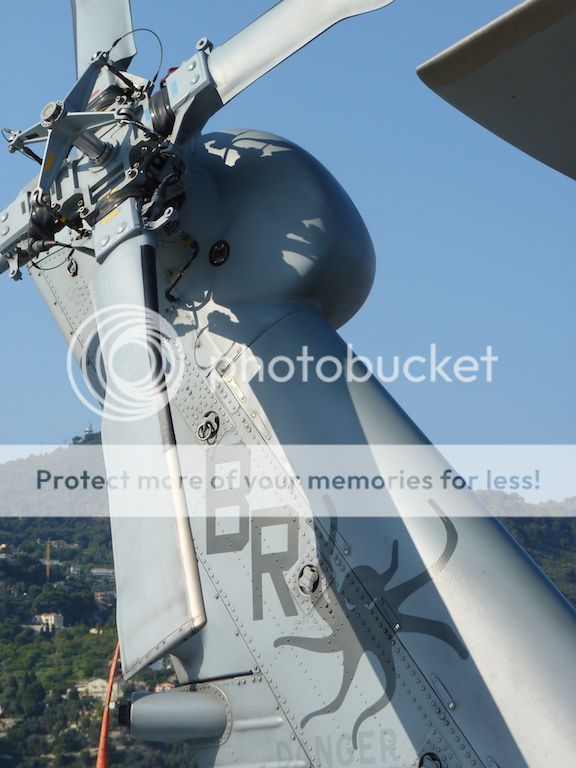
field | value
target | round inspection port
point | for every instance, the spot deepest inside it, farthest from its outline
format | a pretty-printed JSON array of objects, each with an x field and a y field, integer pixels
[{"x": 219, "y": 253}]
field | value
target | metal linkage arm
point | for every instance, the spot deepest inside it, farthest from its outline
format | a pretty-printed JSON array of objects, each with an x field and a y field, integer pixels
[{"x": 65, "y": 124}]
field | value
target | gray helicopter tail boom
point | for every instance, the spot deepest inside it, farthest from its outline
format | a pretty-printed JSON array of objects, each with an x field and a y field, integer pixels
[{"x": 408, "y": 619}]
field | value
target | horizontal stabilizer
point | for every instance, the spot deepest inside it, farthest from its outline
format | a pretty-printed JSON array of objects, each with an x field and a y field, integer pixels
[{"x": 517, "y": 77}]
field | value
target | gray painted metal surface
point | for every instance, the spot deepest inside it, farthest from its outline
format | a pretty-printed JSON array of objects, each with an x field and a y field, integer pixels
[
  {"x": 169, "y": 715},
  {"x": 304, "y": 633},
  {"x": 344, "y": 667},
  {"x": 171, "y": 569}
]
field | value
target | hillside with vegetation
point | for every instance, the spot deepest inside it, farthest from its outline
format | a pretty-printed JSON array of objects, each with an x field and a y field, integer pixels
[
  {"x": 547, "y": 531},
  {"x": 46, "y": 716}
]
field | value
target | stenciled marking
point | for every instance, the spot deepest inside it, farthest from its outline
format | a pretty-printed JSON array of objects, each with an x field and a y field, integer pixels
[
  {"x": 353, "y": 600},
  {"x": 276, "y": 564},
  {"x": 360, "y": 592}
]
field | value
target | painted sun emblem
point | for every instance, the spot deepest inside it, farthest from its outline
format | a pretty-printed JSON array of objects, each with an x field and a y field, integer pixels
[{"x": 362, "y": 590}]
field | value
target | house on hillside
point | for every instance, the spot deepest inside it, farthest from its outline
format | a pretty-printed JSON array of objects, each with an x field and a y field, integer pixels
[
  {"x": 48, "y": 622},
  {"x": 96, "y": 688},
  {"x": 102, "y": 573}
]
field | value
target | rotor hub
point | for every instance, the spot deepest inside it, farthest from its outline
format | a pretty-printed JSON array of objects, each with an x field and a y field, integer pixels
[{"x": 51, "y": 113}]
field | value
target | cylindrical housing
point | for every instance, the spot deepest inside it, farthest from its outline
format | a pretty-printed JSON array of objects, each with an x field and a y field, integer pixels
[
  {"x": 177, "y": 716},
  {"x": 93, "y": 147}
]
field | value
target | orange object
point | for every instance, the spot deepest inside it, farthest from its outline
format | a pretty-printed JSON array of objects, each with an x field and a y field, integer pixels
[{"x": 102, "y": 759}]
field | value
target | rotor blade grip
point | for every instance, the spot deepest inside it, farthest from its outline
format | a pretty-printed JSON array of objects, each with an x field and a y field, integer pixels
[
  {"x": 97, "y": 25},
  {"x": 279, "y": 33}
]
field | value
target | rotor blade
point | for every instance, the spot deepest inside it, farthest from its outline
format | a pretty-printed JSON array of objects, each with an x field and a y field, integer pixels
[
  {"x": 283, "y": 30},
  {"x": 154, "y": 551},
  {"x": 97, "y": 25},
  {"x": 516, "y": 78}
]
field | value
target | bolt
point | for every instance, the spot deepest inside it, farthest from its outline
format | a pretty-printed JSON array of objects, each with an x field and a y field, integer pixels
[
  {"x": 5, "y": 230},
  {"x": 204, "y": 45},
  {"x": 192, "y": 65},
  {"x": 4, "y": 216},
  {"x": 195, "y": 79},
  {"x": 121, "y": 228},
  {"x": 104, "y": 241},
  {"x": 51, "y": 112}
]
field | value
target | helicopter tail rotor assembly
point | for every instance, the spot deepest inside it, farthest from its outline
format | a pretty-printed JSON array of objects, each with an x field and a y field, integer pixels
[
  {"x": 111, "y": 184},
  {"x": 227, "y": 249}
]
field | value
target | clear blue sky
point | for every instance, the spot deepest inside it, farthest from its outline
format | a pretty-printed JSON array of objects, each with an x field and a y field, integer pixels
[{"x": 474, "y": 240}]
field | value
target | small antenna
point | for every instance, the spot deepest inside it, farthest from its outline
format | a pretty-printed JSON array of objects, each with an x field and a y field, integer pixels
[{"x": 48, "y": 562}]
